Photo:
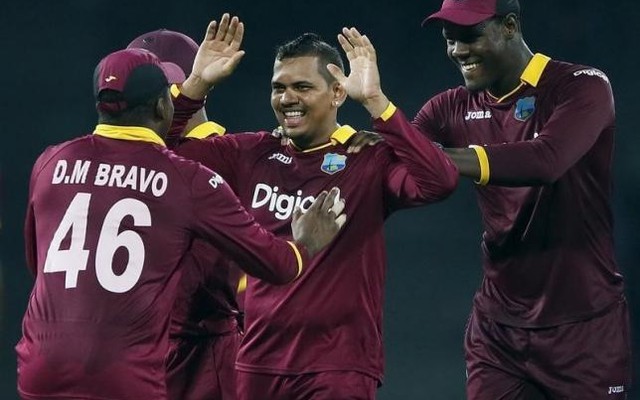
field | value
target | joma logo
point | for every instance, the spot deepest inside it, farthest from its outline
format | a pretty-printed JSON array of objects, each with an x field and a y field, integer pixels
[{"x": 477, "y": 115}]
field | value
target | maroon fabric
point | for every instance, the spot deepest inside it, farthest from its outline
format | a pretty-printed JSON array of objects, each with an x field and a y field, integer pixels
[
  {"x": 547, "y": 243},
  {"x": 169, "y": 46},
  {"x": 108, "y": 223},
  {"x": 330, "y": 319},
  {"x": 583, "y": 360},
  {"x": 202, "y": 368},
  {"x": 334, "y": 385},
  {"x": 471, "y": 12}
]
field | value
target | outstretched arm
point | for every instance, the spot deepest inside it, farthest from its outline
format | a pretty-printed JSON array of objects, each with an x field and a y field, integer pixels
[{"x": 217, "y": 57}]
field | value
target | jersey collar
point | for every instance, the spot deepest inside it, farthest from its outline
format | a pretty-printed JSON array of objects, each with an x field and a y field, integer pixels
[
  {"x": 137, "y": 133},
  {"x": 339, "y": 136},
  {"x": 530, "y": 76}
]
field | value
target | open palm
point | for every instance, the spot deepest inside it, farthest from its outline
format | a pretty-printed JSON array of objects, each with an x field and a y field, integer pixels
[{"x": 219, "y": 53}]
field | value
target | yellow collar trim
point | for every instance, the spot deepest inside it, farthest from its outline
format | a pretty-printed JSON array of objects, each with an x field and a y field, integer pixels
[
  {"x": 137, "y": 133},
  {"x": 340, "y": 135},
  {"x": 531, "y": 75},
  {"x": 206, "y": 129},
  {"x": 535, "y": 68}
]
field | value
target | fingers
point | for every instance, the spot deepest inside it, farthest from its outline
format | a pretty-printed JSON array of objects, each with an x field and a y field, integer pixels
[
  {"x": 363, "y": 138},
  {"x": 336, "y": 72},
  {"x": 297, "y": 213},
  {"x": 327, "y": 205},
  {"x": 223, "y": 28},
  {"x": 233, "y": 61},
  {"x": 341, "y": 220},
  {"x": 338, "y": 206},
  {"x": 317, "y": 204},
  {"x": 211, "y": 31},
  {"x": 236, "y": 40}
]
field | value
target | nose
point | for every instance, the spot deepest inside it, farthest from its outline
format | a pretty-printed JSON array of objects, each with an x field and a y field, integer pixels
[
  {"x": 288, "y": 97},
  {"x": 459, "y": 49}
]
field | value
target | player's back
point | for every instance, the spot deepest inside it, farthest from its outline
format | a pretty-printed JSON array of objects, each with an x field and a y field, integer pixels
[{"x": 106, "y": 232}]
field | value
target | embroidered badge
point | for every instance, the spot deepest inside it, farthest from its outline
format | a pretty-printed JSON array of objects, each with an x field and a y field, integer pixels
[
  {"x": 333, "y": 163},
  {"x": 524, "y": 108}
]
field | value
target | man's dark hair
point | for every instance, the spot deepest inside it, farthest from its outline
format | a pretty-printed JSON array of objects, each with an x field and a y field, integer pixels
[
  {"x": 311, "y": 44},
  {"x": 121, "y": 111}
]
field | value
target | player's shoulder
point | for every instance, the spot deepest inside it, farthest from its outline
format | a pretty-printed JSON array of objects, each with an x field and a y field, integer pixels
[
  {"x": 560, "y": 72},
  {"x": 52, "y": 152},
  {"x": 246, "y": 139}
]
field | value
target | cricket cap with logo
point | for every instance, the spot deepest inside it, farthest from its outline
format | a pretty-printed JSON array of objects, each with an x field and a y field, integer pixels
[
  {"x": 131, "y": 77},
  {"x": 472, "y": 12},
  {"x": 169, "y": 46}
]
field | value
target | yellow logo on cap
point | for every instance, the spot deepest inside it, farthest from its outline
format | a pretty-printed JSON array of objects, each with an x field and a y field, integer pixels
[{"x": 110, "y": 78}]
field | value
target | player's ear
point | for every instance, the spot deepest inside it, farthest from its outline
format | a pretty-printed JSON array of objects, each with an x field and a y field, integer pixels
[
  {"x": 339, "y": 94},
  {"x": 510, "y": 25},
  {"x": 163, "y": 109}
]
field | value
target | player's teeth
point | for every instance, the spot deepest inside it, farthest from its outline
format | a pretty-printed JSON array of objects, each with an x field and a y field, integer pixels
[{"x": 293, "y": 113}]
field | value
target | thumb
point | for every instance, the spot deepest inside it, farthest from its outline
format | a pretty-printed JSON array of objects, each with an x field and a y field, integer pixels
[
  {"x": 336, "y": 72},
  {"x": 297, "y": 213}
]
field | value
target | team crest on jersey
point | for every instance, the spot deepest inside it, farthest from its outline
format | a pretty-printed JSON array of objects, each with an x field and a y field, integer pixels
[
  {"x": 333, "y": 163},
  {"x": 524, "y": 108}
]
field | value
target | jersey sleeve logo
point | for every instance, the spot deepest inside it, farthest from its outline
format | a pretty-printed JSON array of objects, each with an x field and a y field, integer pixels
[
  {"x": 333, "y": 163},
  {"x": 525, "y": 108},
  {"x": 216, "y": 180}
]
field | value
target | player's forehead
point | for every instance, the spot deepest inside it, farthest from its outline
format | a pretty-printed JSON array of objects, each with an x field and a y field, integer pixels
[{"x": 296, "y": 69}]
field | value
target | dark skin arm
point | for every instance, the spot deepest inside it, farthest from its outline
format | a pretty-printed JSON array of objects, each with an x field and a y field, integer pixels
[{"x": 466, "y": 160}]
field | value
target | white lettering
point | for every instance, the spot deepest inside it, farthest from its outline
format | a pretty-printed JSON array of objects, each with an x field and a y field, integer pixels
[
  {"x": 102, "y": 175},
  {"x": 59, "y": 172},
  {"x": 216, "y": 180},
  {"x": 616, "y": 389},
  {"x": 592, "y": 72},
  {"x": 80, "y": 169},
  {"x": 116, "y": 175},
  {"x": 160, "y": 183},
  {"x": 477, "y": 115},
  {"x": 135, "y": 178},
  {"x": 281, "y": 157},
  {"x": 282, "y": 205}
]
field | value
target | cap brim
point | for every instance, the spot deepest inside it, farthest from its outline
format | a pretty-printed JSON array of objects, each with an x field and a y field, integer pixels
[
  {"x": 458, "y": 17},
  {"x": 173, "y": 72}
]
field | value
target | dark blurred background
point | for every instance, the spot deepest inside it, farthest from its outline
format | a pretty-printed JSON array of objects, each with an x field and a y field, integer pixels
[{"x": 50, "y": 48}]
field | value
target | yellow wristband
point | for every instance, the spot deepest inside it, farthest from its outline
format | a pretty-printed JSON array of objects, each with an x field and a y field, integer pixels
[
  {"x": 484, "y": 164},
  {"x": 298, "y": 257},
  {"x": 388, "y": 112}
]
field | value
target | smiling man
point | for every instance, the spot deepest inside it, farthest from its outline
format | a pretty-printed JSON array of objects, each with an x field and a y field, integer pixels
[
  {"x": 320, "y": 339},
  {"x": 550, "y": 319}
]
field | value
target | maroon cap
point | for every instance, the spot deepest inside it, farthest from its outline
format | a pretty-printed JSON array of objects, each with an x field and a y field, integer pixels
[
  {"x": 132, "y": 77},
  {"x": 471, "y": 12},
  {"x": 169, "y": 46}
]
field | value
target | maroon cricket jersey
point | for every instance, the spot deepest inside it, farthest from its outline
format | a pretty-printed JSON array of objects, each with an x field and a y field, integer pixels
[
  {"x": 331, "y": 318},
  {"x": 206, "y": 301},
  {"x": 110, "y": 217},
  {"x": 547, "y": 245}
]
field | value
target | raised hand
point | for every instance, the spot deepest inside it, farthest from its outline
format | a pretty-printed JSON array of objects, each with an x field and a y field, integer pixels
[
  {"x": 363, "y": 82},
  {"x": 217, "y": 57},
  {"x": 317, "y": 227}
]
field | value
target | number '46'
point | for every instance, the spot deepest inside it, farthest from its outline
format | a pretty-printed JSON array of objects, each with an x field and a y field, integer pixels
[{"x": 74, "y": 259}]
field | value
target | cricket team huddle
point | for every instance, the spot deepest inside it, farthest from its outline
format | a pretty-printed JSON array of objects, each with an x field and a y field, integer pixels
[{"x": 175, "y": 260}]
